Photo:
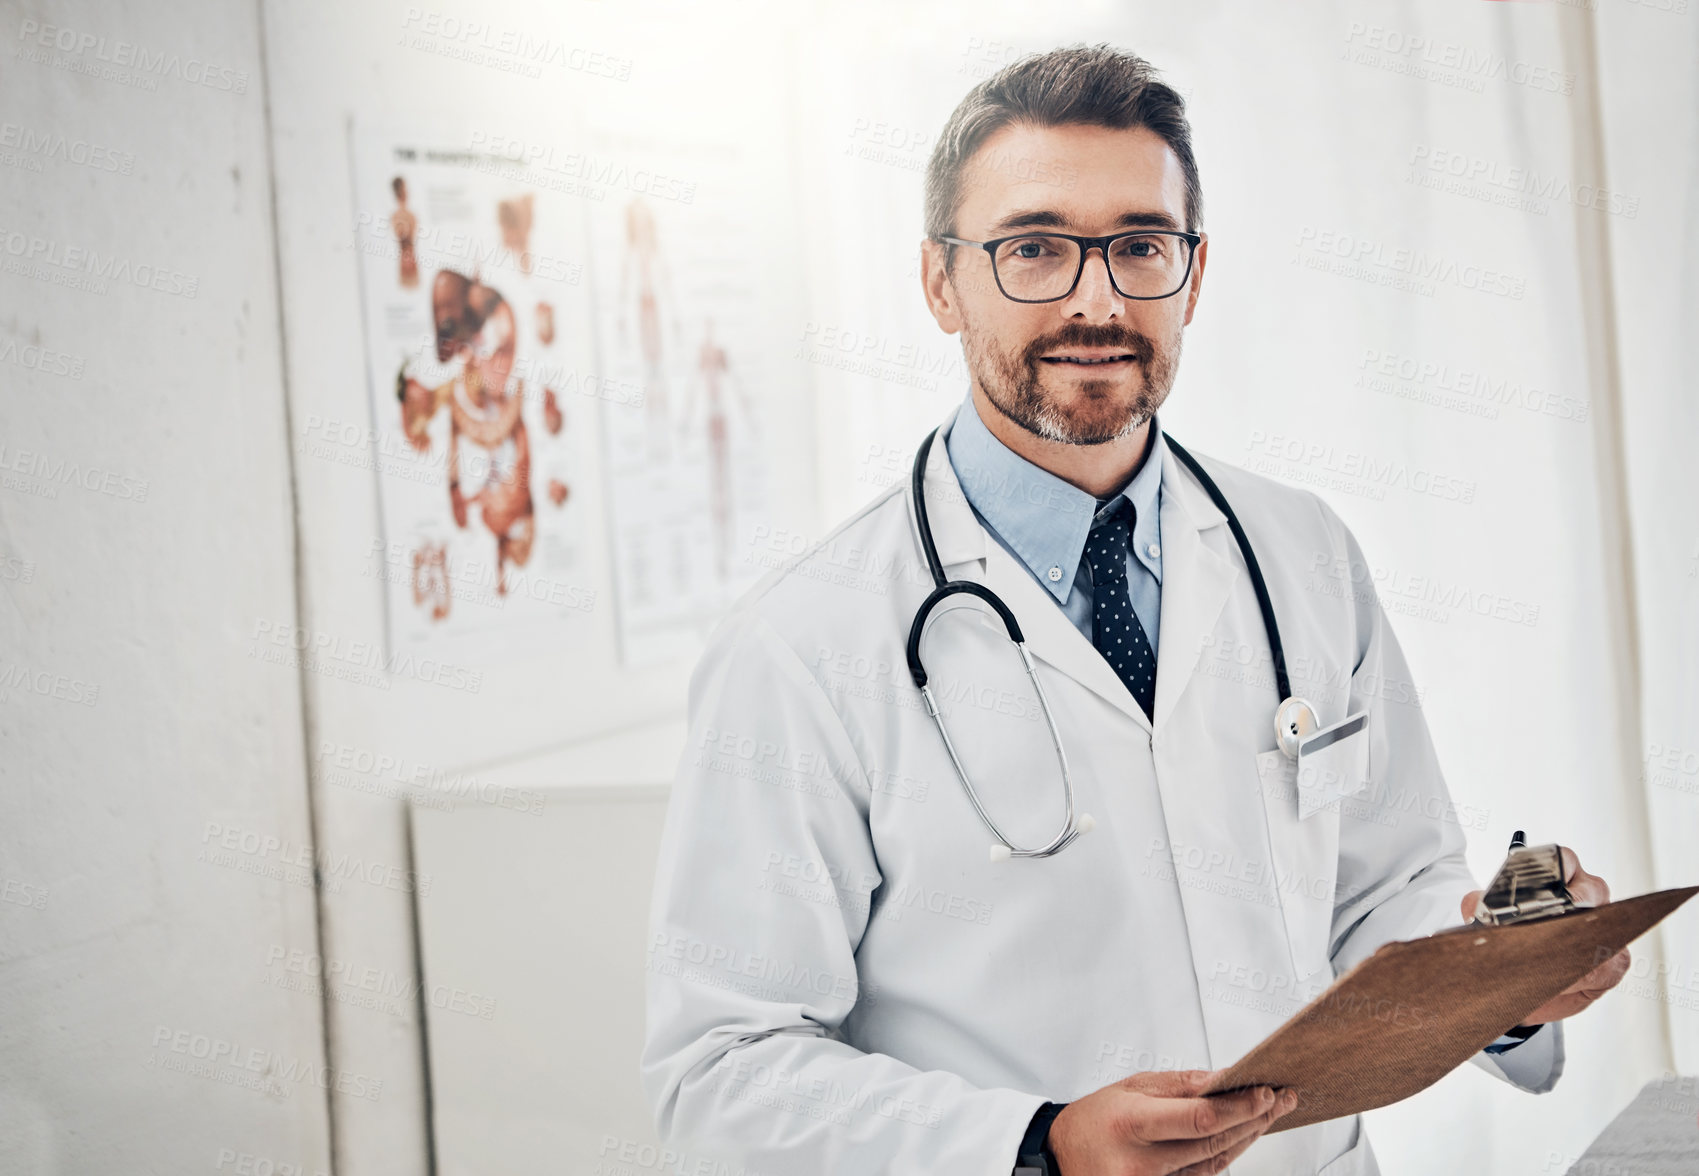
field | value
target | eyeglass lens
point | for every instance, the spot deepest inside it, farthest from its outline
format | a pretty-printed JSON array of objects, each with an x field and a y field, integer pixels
[{"x": 1040, "y": 267}]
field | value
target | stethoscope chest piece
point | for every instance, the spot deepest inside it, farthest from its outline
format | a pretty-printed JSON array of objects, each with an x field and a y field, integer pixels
[{"x": 1294, "y": 721}]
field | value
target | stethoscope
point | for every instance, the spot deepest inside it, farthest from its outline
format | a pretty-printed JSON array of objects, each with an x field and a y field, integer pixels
[{"x": 1294, "y": 719}]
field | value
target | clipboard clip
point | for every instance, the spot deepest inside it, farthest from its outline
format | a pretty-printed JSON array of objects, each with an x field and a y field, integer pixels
[{"x": 1529, "y": 885}]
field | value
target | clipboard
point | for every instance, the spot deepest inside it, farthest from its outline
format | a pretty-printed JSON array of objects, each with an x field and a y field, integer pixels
[{"x": 1417, "y": 1009}]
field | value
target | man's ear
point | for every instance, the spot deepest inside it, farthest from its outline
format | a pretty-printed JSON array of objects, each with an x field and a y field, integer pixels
[
  {"x": 1196, "y": 282},
  {"x": 935, "y": 284}
]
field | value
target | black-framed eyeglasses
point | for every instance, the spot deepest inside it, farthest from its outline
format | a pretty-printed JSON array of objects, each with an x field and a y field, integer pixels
[{"x": 1145, "y": 264}]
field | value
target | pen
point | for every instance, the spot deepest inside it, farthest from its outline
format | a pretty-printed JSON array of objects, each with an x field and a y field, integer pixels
[{"x": 1518, "y": 840}]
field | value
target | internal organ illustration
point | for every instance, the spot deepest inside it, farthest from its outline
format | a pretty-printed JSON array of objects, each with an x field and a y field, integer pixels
[{"x": 489, "y": 451}]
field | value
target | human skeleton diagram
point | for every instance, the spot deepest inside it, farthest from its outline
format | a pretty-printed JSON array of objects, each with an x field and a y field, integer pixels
[
  {"x": 431, "y": 590},
  {"x": 406, "y": 226},
  {"x": 713, "y": 368},
  {"x": 515, "y": 217},
  {"x": 643, "y": 260},
  {"x": 489, "y": 451}
]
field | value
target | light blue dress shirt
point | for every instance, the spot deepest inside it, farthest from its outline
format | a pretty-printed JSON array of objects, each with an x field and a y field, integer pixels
[{"x": 1043, "y": 521}]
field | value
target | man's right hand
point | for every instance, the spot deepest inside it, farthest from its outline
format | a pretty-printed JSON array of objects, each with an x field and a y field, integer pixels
[{"x": 1158, "y": 1124}]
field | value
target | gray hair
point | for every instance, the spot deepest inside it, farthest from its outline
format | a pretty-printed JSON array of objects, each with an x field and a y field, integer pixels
[{"x": 1090, "y": 85}]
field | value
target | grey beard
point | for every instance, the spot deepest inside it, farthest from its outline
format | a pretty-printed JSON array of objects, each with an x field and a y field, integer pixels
[{"x": 1012, "y": 383}]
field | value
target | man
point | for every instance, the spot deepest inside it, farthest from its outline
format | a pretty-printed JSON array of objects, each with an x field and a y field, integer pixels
[{"x": 841, "y": 979}]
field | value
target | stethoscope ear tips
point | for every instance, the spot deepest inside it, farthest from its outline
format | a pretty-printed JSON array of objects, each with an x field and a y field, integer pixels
[
  {"x": 999, "y": 853},
  {"x": 1086, "y": 823}
]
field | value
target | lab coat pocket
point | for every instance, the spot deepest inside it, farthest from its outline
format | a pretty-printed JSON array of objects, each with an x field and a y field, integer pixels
[
  {"x": 1332, "y": 764},
  {"x": 1305, "y": 861},
  {"x": 1358, "y": 1159}
]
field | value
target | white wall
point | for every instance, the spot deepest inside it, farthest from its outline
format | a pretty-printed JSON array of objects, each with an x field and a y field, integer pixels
[
  {"x": 329, "y": 61},
  {"x": 1649, "y": 67},
  {"x": 142, "y": 603}
]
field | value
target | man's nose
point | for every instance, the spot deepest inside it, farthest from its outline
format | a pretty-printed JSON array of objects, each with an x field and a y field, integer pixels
[{"x": 1094, "y": 297}]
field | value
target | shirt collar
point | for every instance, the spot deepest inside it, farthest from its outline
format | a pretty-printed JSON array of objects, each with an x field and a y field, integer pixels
[{"x": 1037, "y": 515}]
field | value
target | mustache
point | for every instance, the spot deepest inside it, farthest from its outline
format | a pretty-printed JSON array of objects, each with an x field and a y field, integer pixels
[{"x": 1113, "y": 335}]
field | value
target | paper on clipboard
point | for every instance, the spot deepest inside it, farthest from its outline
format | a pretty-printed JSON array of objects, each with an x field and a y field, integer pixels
[{"x": 1416, "y": 1010}]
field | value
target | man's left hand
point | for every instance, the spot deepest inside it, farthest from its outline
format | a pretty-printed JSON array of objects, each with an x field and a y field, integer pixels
[{"x": 1587, "y": 890}]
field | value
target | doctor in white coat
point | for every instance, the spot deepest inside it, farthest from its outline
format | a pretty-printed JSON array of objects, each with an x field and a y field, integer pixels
[{"x": 841, "y": 979}]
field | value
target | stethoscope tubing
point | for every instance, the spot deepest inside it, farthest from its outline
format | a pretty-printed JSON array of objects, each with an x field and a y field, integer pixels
[{"x": 944, "y": 588}]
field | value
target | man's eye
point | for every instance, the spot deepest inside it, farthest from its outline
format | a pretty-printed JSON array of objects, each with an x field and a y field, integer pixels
[{"x": 1141, "y": 248}]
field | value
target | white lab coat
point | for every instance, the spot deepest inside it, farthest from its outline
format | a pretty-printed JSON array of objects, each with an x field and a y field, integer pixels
[{"x": 840, "y": 980}]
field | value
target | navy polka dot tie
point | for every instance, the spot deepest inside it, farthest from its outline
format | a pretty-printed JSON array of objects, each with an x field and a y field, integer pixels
[{"x": 1115, "y": 628}]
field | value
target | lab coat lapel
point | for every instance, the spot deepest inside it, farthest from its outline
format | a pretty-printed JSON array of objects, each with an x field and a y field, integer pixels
[
  {"x": 1196, "y": 583},
  {"x": 1051, "y": 636},
  {"x": 967, "y": 551}
]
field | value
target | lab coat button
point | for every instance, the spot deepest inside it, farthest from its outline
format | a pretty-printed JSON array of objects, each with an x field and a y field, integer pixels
[
  {"x": 1055, "y": 575},
  {"x": 1155, "y": 549}
]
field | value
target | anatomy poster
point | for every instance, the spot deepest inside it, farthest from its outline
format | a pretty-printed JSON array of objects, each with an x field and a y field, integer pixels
[
  {"x": 473, "y": 285},
  {"x": 676, "y": 311}
]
